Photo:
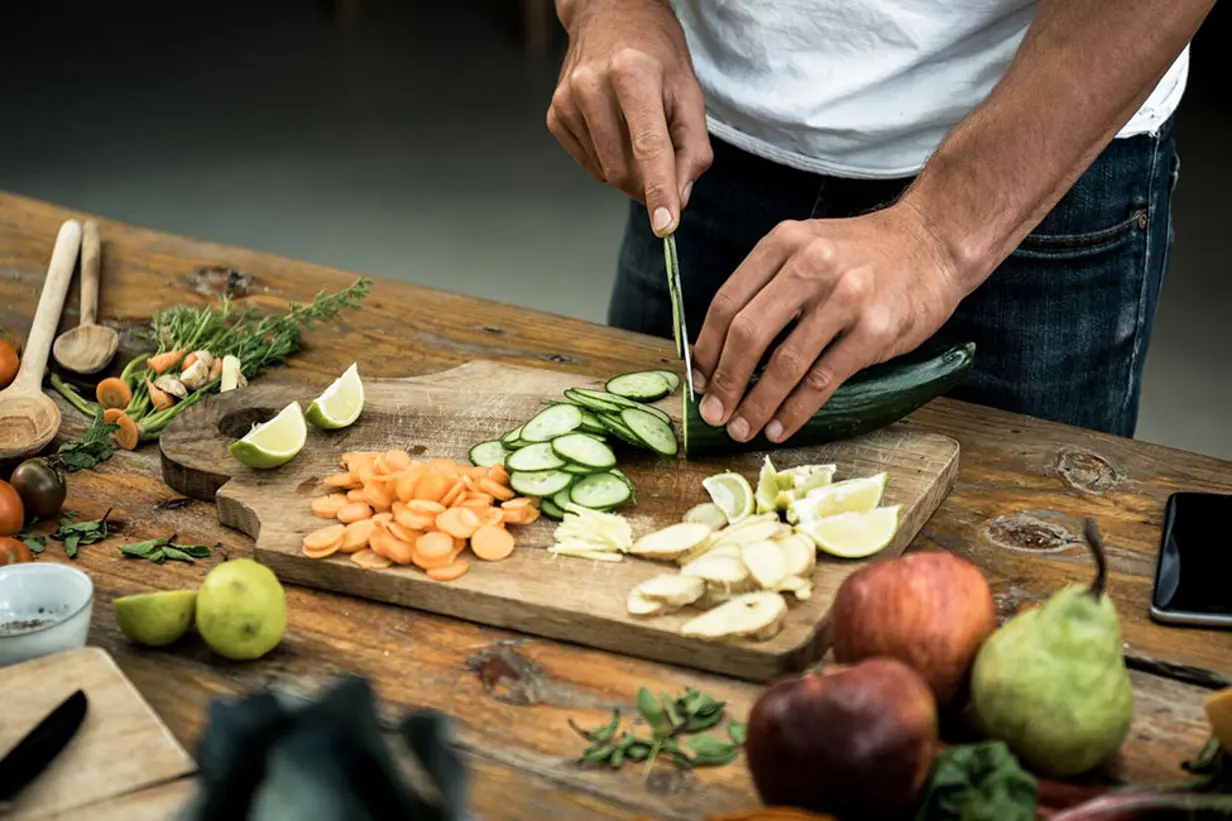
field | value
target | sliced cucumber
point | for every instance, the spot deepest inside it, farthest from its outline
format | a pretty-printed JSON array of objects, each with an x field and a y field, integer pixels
[
  {"x": 561, "y": 499},
  {"x": 620, "y": 430},
  {"x": 591, "y": 423},
  {"x": 512, "y": 436},
  {"x": 615, "y": 399},
  {"x": 539, "y": 456},
  {"x": 673, "y": 380},
  {"x": 551, "y": 510},
  {"x": 580, "y": 470},
  {"x": 516, "y": 444},
  {"x": 489, "y": 453},
  {"x": 584, "y": 449},
  {"x": 540, "y": 483},
  {"x": 600, "y": 491},
  {"x": 621, "y": 476},
  {"x": 644, "y": 386},
  {"x": 551, "y": 422},
  {"x": 597, "y": 404},
  {"x": 654, "y": 432}
]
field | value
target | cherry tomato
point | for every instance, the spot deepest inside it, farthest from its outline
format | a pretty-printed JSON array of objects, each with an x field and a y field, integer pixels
[
  {"x": 14, "y": 551},
  {"x": 8, "y": 364},
  {"x": 12, "y": 511}
]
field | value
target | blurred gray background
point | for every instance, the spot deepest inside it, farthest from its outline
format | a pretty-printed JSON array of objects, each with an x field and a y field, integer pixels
[{"x": 407, "y": 140}]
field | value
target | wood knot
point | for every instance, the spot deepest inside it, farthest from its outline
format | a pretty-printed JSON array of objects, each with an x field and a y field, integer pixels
[
  {"x": 488, "y": 329},
  {"x": 1032, "y": 534},
  {"x": 670, "y": 782},
  {"x": 507, "y": 676},
  {"x": 558, "y": 358},
  {"x": 220, "y": 281},
  {"x": 1087, "y": 471}
]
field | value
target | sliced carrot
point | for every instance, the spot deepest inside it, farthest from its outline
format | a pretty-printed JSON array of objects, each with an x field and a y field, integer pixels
[
  {"x": 159, "y": 398},
  {"x": 356, "y": 535},
  {"x": 491, "y": 516},
  {"x": 458, "y": 522},
  {"x": 477, "y": 472},
  {"x": 113, "y": 393},
  {"x": 327, "y": 507},
  {"x": 416, "y": 521},
  {"x": 495, "y": 490},
  {"x": 397, "y": 507},
  {"x": 404, "y": 488},
  {"x": 425, "y": 507},
  {"x": 404, "y": 533},
  {"x": 396, "y": 460},
  {"x": 189, "y": 361},
  {"x": 432, "y": 485},
  {"x": 370, "y": 559},
  {"x": 520, "y": 501},
  {"x": 498, "y": 474},
  {"x": 530, "y": 515},
  {"x": 379, "y": 498},
  {"x": 399, "y": 551},
  {"x": 353, "y": 512},
  {"x": 445, "y": 467},
  {"x": 492, "y": 543},
  {"x": 341, "y": 480},
  {"x": 110, "y": 415},
  {"x": 434, "y": 545},
  {"x": 357, "y": 495},
  {"x": 454, "y": 570},
  {"x": 164, "y": 362},
  {"x": 216, "y": 369},
  {"x": 479, "y": 496},
  {"x": 378, "y": 543},
  {"x": 127, "y": 436},
  {"x": 468, "y": 482},
  {"x": 521, "y": 515},
  {"x": 456, "y": 494},
  {"x": 351, "y": 457},
  {"x": 383, "y": 519},
  {"x": 324, "y": 538}
]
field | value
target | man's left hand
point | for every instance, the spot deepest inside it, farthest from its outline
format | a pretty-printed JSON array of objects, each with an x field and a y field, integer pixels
[{"x": 864, "y": 290}]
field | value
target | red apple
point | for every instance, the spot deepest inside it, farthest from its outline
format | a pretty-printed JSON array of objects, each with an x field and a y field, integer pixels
[
  {"x": 931, "y": 611},
  {"x": 855, "y": 741}
]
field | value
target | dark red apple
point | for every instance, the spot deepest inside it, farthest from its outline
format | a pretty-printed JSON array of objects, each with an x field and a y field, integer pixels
[
  {"x": 856, "y": 741},
  {"x": 931, "y": 611}
]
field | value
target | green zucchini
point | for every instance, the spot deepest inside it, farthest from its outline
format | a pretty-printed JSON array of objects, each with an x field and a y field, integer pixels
[{"x": 874, "y": 398}]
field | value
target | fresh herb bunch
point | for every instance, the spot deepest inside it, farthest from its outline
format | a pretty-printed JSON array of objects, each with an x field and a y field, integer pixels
[
  {"x": 669, "y": 720},
  {"x": 258, "y": 341},
  {"x": 74, "y": 534},
  {"x": 161, "y": 550}
]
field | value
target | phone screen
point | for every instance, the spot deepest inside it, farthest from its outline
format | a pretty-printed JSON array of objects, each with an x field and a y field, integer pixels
[{"x": 1194, "y": 573}]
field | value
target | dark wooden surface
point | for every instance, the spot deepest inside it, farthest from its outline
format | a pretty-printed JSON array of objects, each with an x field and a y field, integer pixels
[{"x": 1022, "y": 490}]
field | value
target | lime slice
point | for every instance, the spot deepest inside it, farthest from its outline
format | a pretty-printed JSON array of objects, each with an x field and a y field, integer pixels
[
  {"x": 732, "y": 493},
  {"x": 340, "y": 404},
  {"x": 767, "y": 488},
  {"x": 275, "y": 442},
  {"x": 852, "y": 496},
  {"x": 800, "y": 480},
  {"x": 854, "y": 535}
]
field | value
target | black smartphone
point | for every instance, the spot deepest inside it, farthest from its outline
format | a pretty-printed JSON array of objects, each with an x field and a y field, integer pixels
[{"x": 1193, "y": 575}]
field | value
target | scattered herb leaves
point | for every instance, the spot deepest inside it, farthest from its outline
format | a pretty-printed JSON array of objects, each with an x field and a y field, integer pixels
[
  {"x": 668, "y": 719},
  {"x": 76, "y": 535},
  {"x": 36, "y": 544},
  {"x": 95, "y": 446},
  {"x": 161, "y": 550}
]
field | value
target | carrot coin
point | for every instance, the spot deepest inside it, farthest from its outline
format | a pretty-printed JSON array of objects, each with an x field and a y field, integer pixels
[
  {"x": 458, "y": 522},
  {"x": 498, "y": 474},
  {"x": 424, "y": 507},
  {"x": 356, "y": 535},
  {"x": 492, "y": 543},
  {"x": 520, "y": 501},
  {"x": 324, "y": 538},
  {"x": 405, "y": 534},
  {"x": 341, "y": 480},
  {"x": 495, "y": 490},
  {"x": 370, "y": 560},
  {"x": 383, "y": 519},
  {"x": 398, "y": 551},
  {"x": 446, "y": 467},
  {"x": 454, "y": 494},
  {"x": 353, "y": 512},
  {"x": 396, "y": 460},
  {"x": 434, "y": 545},
  {"x": 379, "y": 498},
  {"x": 378, "y": 543},
  {"x": 491, "y": 516},
  {"x": 327, "y": 507},
  {"x": 415, "y": 521},
  {"x": 357, "y": 496},
  {"x": 468, "y": 482},
  {"x": 431, "y": 486},
  {"x": 454, "y": 570}
]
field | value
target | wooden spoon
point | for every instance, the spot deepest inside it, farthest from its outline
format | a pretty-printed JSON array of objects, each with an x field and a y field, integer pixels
[
  {"x": 90, "y": 346},
  {"x": 28, "y": 417}
]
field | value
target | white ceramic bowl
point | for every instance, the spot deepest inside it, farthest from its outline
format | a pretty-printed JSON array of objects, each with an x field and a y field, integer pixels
[{"x": 44, "y": 608}]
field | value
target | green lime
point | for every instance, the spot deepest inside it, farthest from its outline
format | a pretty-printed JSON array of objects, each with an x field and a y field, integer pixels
[
  {"x": 854, "y": 535},
  {"x": 852, "y": 496},
  {"x": 341, "y": 403},
  {"x": 275, "y": 442},
  {"x": 732, "y": 493}
]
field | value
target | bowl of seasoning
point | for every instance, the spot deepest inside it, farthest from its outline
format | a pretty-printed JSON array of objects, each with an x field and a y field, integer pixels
[{"x": 44, "y": 608}]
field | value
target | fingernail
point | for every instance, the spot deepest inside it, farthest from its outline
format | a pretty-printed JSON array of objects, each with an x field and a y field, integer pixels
[
  {"x": 738, "y": 429},
  {"x": 774, "y": 430},
  {"x": 662, "y": 219},
  {"x": 712, "y": 410},
  {"x": 699, "y": 381},
  {"x": 684, "y": 194}
]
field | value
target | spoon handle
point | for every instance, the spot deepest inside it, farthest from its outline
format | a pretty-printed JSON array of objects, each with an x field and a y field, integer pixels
[
  {"x": 47, "y": 317},
  {"x": 91, "y": 257}
]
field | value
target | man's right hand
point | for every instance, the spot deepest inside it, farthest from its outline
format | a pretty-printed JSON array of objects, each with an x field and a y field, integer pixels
[{"x": 627, "y": 106}]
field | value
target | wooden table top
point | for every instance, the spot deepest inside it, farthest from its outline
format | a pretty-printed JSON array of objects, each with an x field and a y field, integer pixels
[{"x": 1016, "y": 511}]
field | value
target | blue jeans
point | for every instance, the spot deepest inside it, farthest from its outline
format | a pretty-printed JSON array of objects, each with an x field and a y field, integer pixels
[{"x": 1061, "y": 327}]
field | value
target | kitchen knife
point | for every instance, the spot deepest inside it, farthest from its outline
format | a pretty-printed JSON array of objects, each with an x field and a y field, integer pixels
[
  {"x": 34, "y": 753},
  {"x": 679, "y": 329}
]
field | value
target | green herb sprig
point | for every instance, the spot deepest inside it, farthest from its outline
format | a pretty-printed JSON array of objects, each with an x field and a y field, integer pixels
[
  {"x": 79, "y": 534},
  {"x": 671, "y": 721},
  {"x": 161, "y": 550},
  {"x": 95, "y": 446}
]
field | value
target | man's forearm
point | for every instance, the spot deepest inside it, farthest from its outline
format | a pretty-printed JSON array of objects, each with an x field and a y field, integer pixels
[{"x": 1084, "y": 68}]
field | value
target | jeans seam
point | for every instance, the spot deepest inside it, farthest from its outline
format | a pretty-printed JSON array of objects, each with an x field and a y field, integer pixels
[{"x": 1152, "y": 214}]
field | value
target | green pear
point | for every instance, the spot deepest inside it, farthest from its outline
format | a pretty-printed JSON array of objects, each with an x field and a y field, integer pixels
[{"x": 1051, "y": 682}]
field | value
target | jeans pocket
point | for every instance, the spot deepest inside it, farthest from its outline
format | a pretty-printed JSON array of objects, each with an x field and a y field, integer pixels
[{"x": 1040, "y": 245}]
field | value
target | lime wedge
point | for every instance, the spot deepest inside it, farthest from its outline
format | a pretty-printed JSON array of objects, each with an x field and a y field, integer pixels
[
  {"x": 732, "y": 493},
  {"x": 851, "y": 496},
  {"x": 275, "y": 442},
  {"x": 800, "y": 480},
  {"x": 340, "y": 404},
  {"x": 767, "y": 488},
  {"x": 854, "y": 535}
]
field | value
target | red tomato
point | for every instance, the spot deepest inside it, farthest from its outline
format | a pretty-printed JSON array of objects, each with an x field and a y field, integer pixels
[
  {"x": 12, "y": 512},
  {"x": 14, "y": 551}
]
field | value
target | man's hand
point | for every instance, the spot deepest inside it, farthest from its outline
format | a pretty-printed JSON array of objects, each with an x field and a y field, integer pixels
[
  {"x": 627, "y": 106},
  {"x": 864, "y": 290}
]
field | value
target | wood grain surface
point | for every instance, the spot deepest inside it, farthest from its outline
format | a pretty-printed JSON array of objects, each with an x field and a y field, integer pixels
[
  {"x": 534, "y": 591},
  {"x": 120, "y": 748},
  {"x": 1016, "y": 508}
]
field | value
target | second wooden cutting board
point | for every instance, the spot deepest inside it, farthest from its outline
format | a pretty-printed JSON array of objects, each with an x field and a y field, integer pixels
[{"x": 536, "y": 592}]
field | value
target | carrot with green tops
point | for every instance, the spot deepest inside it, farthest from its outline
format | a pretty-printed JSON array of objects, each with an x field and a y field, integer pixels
[
  {"x": 113, "y": 393},
  {"x": 164, "y": 362}
]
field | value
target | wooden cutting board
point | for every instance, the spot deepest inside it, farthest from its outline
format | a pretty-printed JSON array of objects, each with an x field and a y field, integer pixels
[
  {"x": 536, "y": 592},
  {"x": 120, "y": 749}
]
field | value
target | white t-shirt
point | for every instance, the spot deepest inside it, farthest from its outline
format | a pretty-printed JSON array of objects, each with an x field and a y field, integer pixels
[{"x": 862, "y": 88}]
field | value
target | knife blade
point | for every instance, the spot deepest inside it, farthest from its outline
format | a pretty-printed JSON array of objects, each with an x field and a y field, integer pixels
[
  {"x": 679, "y": 328},
  {"x": 35, "y": 752}
]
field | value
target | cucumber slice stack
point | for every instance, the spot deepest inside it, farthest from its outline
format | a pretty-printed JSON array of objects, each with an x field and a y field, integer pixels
[{"x": 565, "y": 455}]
